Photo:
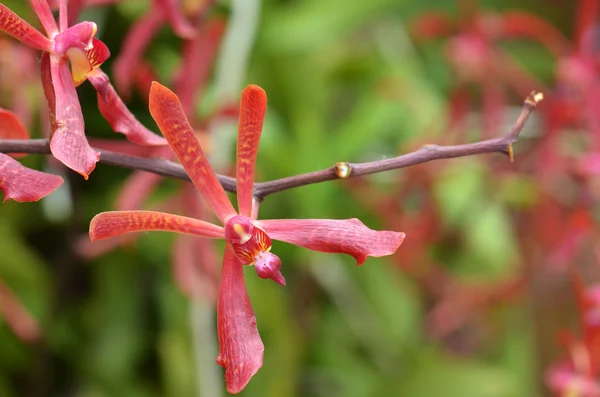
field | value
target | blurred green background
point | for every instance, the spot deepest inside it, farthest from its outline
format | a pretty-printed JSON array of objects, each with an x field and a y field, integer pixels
[{"x": 347, "y": 80}]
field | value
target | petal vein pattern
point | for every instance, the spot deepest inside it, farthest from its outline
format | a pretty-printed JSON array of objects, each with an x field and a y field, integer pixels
[
  {"x": 252, "y": 113},
  {"x": 241, "y": 349},
  {"x": 349, "y": 236},
  {"x": 114, "y": 223},
  {"x": 172, "y": 122},
  {"x": 23, "y": 184}
]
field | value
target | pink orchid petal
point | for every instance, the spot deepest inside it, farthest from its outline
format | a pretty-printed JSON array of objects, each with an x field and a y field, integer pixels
[
  {"x": 136, "y": 41},
  {"x": 23, "y": 184},
  {"x": 170, "y": 117},
  {"x": 48, "y": 86},
  {"x": 16, "y": 315},
  {"x": 115, "y": 223},
  {"x": 44, "y": 13},
  {"x": 253, "y": 107},
  {"x": 348, "y": 236},
  {"x": 179, "y": 23},
  {"x": 12, "y": 24},
  {"x": 68, "y": 143},
  {"x": 198, "y": 58},
  {"x": 241, "y": 349},
  {"x": 118, "y": 115},
  {"x": 79, "y": 36}
]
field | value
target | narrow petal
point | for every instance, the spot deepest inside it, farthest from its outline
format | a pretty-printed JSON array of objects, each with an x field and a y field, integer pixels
[
  {"x": 137, "y": 39},
  {"x": 114, "y": 223},
  {"x": 252, "y": 114},
  {"x": 348, "y": 236},
  {"x": 23, "y": 184},
  {"x": 12, "y": 24},
  {"x": 180, "y": 25},
  {"x": 170, "y": 117},
  {"x": 118, "y": 115},
  {"x": 241, "y": 349},
  {"x": 44, "y": 13},
  {"x": 17, "y": 316},
  {"x": 69, "y": 144},
  {"x": 46, "y": 77}
]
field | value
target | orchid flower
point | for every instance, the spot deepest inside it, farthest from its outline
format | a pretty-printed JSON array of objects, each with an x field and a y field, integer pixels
[
  {"x": 248, "y": 240},
  {"x": 18, "y": 182},
  {"x": 76, "y": 44}
]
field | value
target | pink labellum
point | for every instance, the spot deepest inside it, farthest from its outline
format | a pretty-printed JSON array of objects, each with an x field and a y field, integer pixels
[
  {"x": 179, "y": 23},
  {"x": 12, "y": 24},
  {"x": 135, "y": 43},
  {"x": 100, "y": 81},
  {"x": 198, "y": 58},
  {"x": 79, "y": 36},
  {"x": 118, "y": 115},
  {"x": 68, "y": 143},
  {"x": 19, "y": 319},
  {"x": 23, "y": 184},
  {"x": 170, "y": 117},
  {"x": 241, "y": 349},
  {"x": 267, "y": 265},
  {"x": 115, "y": 223},
  {"x": 253, "y": 107},
  {"x": 349, "y": 236}
]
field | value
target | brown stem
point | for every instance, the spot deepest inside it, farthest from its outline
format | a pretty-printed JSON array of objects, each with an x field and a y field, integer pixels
[{"x": 340, "y": 170}]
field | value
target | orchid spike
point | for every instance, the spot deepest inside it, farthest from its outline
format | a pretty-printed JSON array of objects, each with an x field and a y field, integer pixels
[
  {"x": 248, "y": 240},
  {"x": 75, "y": 45}
]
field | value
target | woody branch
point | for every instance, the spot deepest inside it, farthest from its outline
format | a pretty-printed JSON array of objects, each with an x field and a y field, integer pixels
[{"x": 341, "y": 170}]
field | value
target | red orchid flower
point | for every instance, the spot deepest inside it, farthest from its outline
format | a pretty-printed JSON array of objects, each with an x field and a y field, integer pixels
[
  {"x": 248, "y": 240},
  {"x": 18, "y": 182},
  {"x": 77, "y": 45}
]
